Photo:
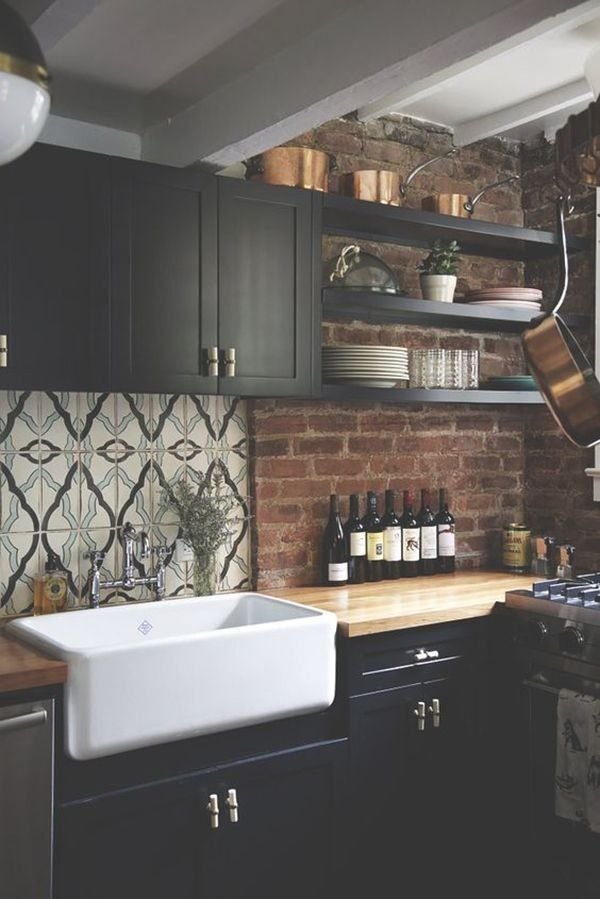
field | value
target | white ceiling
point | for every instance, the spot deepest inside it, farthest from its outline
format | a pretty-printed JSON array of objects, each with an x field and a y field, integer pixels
[
  {"x": 520, "y": 92},
  {"x": 215, "y": 81}
]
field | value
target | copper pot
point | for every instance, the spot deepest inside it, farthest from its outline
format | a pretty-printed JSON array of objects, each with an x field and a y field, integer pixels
[
  {"x": 292, "y": 166},
  {"x": 372, "y": 185},
  {"x": 381, "y": 185},
  {"x": 563, "y": 373},
  {"x": 461, "y": 205}
]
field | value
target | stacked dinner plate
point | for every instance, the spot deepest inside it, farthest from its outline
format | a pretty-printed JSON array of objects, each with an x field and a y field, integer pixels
[
  {"x": 528, "y": 298},
  {"x": 368, "y": 366}
]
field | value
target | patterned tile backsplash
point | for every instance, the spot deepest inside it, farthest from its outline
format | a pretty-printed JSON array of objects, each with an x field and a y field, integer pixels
[{"x": 74, "y": 467}]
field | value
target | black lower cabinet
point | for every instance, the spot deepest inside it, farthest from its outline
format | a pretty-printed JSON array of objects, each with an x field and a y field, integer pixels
[
  {"x": 417, "y": 757},
  {"x": 178, "y": 839}
]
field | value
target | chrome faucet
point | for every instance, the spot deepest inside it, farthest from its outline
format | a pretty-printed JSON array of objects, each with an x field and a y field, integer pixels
[{"x": 128, "y": 579}]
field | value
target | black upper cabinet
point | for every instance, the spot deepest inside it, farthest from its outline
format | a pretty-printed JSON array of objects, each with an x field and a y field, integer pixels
[
  {"x": 164, "y": 278},
  {"x": 267, "y": 288},
  {"x": 54, "y": 270}
]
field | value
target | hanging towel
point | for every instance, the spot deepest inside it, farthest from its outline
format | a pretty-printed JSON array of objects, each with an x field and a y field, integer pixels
[{"x": 577, "y": 773}]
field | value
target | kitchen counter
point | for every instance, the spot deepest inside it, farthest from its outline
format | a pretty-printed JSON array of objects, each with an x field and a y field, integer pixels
[
  {"x": 22, "y": 667},
  {"x": 393, "y": 605}
]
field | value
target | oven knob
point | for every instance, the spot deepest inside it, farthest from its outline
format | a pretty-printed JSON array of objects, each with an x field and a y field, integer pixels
[
  {"x": 570, "y": 639},
  {"x": 535, "y": 632}
]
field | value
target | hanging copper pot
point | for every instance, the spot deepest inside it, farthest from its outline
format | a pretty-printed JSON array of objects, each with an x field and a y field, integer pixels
[
  {"x": 382, "y": 185},
  {"x": 291, "y": 166},
  {"x": 461, "y": 205}
]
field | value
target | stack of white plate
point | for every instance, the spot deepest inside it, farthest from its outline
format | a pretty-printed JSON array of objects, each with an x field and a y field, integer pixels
[
  {"x": 368, "y": 366},
  {"x": 528, "y": 298}
]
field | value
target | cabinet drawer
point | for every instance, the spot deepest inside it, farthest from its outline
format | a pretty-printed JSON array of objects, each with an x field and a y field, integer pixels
[{"x": 384, "y": 661}]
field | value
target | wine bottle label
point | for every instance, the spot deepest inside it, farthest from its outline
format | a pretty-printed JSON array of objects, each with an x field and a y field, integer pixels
[
  {"x": 337, "y": 571},
  {"x": 375, "y": 547},
  {"x": 410, "y": 544},
  {"x": 446, "y": 541},
  {"x": 358, "y": 544},
  {"x": 392, "y": 544},
  {"x": 429, "y": 548}
]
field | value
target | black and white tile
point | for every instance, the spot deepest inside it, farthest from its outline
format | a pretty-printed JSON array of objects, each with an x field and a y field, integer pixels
[{"x": 74, "y": 467}]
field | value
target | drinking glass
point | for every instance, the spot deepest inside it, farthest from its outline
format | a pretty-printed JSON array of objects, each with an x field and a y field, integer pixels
[{"x": 470, "y": 369}]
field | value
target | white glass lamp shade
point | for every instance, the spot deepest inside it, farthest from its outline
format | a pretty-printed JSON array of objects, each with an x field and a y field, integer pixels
[
  {"x": 591, "y": 71},
  {"x": 24, "y": 107}
]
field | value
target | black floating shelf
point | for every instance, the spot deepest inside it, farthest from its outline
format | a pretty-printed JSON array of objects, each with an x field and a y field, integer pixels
[
  {"x": 412, "y": 396},
  {"x": 414, "y": 227},
  {"x": 378, "y": 308}
]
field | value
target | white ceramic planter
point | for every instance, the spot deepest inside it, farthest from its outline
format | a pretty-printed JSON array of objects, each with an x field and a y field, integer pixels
[{"x": 438, "y": 287}]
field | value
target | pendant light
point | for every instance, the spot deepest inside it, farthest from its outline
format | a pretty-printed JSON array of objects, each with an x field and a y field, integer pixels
[{"x": 24, "y": 94}]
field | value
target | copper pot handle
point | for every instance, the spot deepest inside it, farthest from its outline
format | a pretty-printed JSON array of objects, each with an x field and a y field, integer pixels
[
  {"x": 473, "y": 201},
  {"x": 423, "y": 165},
  {"x": 253, "y": 167},
  {"x": 563, "y": 202}
]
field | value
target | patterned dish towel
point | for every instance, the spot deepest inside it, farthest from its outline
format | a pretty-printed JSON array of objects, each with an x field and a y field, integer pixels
[{"x": 577, "y": 773}]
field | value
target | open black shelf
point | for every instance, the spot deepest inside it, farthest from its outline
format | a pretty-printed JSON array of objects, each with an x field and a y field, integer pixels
[
  {"x": 362, "y": 220},
  {"x": 368, "y": 306},
  {"x": 410, "y": 396}
]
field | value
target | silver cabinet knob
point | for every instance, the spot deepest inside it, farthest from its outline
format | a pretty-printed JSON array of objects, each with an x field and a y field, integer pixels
[
  {"x": 432, "y": 654},
  {"x": 436, "y": 712},
  {"x": 229, "y": 362},
  {"x": 213, "y": 811},
  {"x": 420, "y": 715},
  {"x": 3, "y": 350},
  {"x": 232, "y": 804},
  {"x": 213, "y": 361},
  {"x": 421, "y": 655}
]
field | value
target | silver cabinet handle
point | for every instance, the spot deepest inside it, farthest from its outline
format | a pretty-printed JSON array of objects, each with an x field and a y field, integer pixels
[
  {"x": 433, "y": 654},
  {"x": 421, "y": 655},
  {"x": 213, "y": 810},
  {"x": 420, "y": 714},
  {"x": 229, "y": 362},
  {"x": 213, "y": 361},
  {"x": 436, "y": 712},
  {"x": 232, "y": 804},
  {"x": 20, "y": 722},
  {"x": 3, "y": 350}
]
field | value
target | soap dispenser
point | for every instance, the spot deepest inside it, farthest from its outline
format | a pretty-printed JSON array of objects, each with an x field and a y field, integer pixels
[{"x": 51, "y": 589}]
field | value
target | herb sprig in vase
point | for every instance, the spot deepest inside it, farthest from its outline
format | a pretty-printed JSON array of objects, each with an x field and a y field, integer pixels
[{"x": 208, "y": 518}]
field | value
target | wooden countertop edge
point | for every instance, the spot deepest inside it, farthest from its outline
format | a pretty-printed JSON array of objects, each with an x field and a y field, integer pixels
[
  {"x": 414, "y": 619},
  {"x": 24, "y": 668}
]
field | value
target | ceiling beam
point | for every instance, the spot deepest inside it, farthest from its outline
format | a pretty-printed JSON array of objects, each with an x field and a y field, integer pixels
[
  {"x": 381, "y": 46},
  {"x": 562, "y": 98},
  {"x": 414, "y": 92},
  {"x": 52, "y": 20}
]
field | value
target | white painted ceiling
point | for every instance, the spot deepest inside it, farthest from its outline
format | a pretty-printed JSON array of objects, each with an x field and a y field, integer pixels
[
  {"x": 216, "y": 81},
  {"x": 533, "y": 75}
]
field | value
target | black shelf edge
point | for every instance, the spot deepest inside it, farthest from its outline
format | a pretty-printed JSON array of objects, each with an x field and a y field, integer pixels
[
  {"x": 412, "y": 396},
  {"x": 370, "y": 306},
  {"x": 416, "y": 227}
]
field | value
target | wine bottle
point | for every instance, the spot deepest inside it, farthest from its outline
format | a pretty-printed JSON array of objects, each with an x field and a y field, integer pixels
[
  {"x": 372, "y": 523},
  {"x": 356, "y": 544},
  {"x": 392, "y": 539},
  {"x": 411, "y": 538},
  {"x": 446, "y": 537},
  {"x": 428, "y": 526},
  {"x": 334, "y": 546}
]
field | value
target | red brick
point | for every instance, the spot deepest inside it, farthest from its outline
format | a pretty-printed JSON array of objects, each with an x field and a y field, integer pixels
[
  {"x": 271, "y": 447},
  {"x": 310, "y": 446},
  {"x": 280, "y": 424},
  {"x": 281, "y": 468}
]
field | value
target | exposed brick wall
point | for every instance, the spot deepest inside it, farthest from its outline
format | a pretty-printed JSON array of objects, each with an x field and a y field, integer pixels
[
  {"x": 302, "y": 451},
  {"x": 558, "y": 494}
]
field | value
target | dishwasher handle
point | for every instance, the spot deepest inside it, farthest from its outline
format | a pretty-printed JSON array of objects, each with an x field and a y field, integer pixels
[{"x": 35, "y": 718}]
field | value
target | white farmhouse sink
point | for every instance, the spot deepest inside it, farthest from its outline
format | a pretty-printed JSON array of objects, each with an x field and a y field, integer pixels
[{"x": 163, "y": 671}]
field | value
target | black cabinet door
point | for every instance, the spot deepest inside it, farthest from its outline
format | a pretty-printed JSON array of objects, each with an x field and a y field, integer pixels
[
  {"x": 54, "y": 270},
  {"x": 153, "y": 842},
  {"x": 267, "y": 288},
  {"x": 385, "y": 802},
  {"x": 287, "y": 839},
  {"x": 164, "y": 278}
]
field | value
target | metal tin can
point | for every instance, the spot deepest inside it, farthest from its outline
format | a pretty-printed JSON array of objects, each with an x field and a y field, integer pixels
[{"x": 516, "y": 547}]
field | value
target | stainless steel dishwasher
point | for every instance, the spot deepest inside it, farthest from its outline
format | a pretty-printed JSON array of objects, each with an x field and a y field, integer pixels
[{"x": 26, "y": 799}]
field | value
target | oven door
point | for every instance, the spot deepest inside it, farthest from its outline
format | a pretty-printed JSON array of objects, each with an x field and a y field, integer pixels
[{"x": 560, "y": 856}]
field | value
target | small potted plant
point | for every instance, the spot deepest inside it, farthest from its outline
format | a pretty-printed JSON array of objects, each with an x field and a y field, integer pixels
[{"x": 438, "y": 271}]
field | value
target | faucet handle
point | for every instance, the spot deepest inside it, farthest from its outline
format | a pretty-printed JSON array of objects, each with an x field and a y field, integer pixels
[
  {"x": 145, "y": 545},
  {"x": 96, "y": 557},
  {"x": 161, "y": 553}
]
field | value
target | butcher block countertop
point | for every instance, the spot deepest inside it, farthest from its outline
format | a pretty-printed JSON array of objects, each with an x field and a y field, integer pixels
[
  {"x": 22, "y": 667},
  {"x": 393, "y": 605}
]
